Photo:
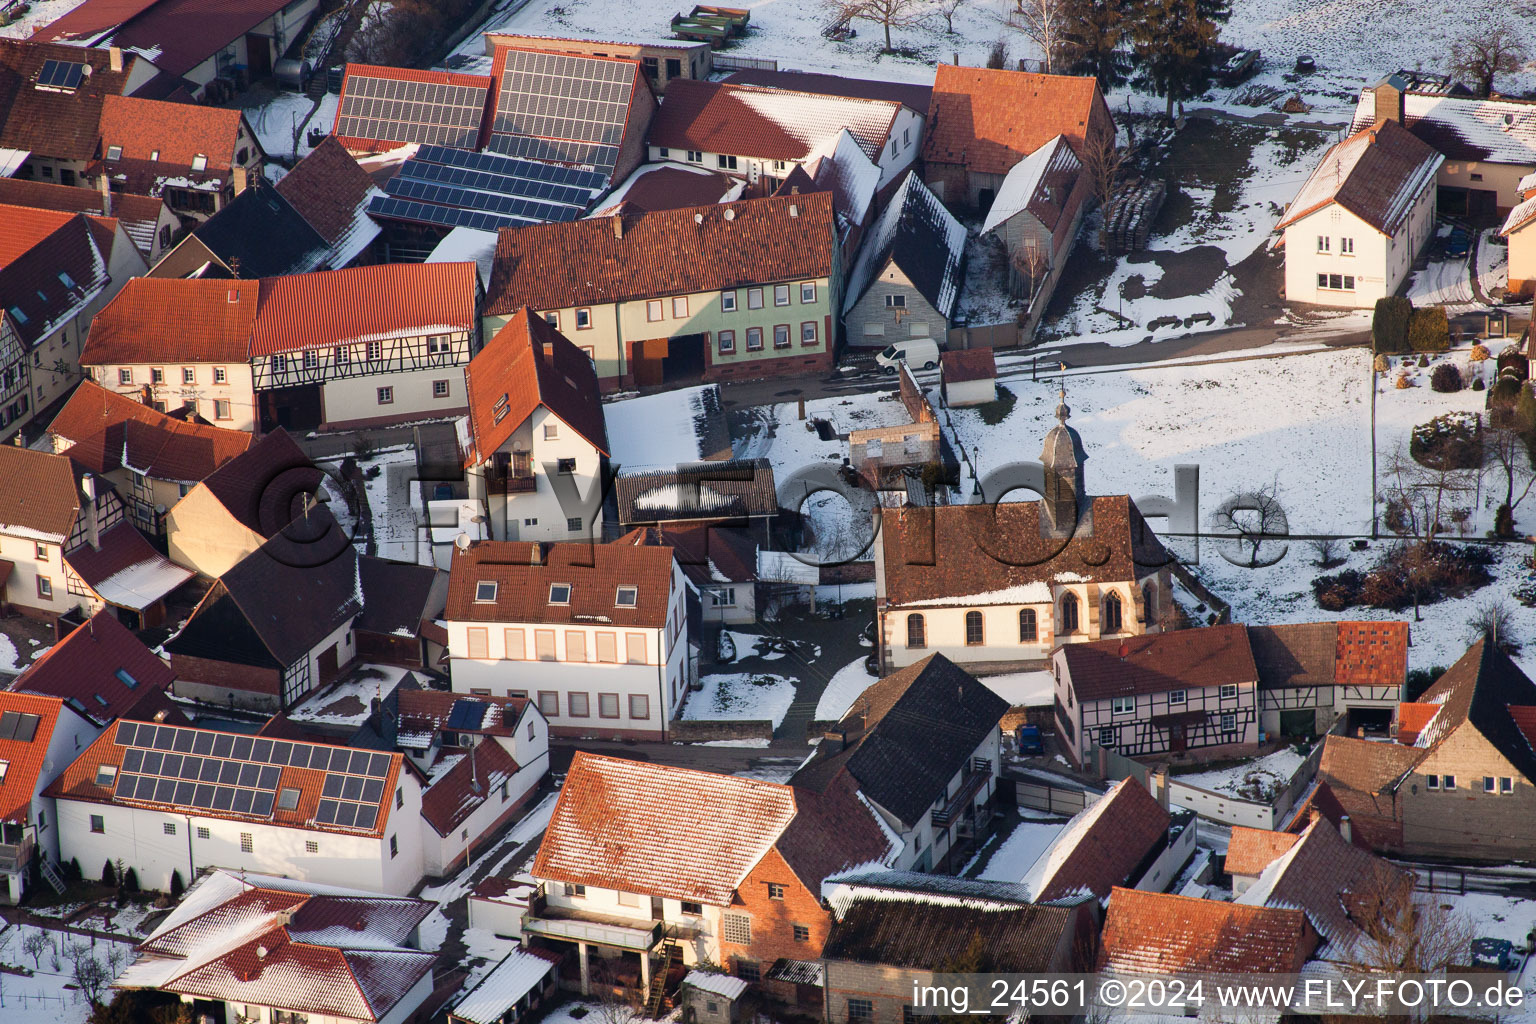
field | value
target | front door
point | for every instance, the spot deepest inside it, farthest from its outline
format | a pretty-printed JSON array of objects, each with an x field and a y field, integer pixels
[
  {"x": 1177, "y": 744},
  {"x": 329, "y": 667}
]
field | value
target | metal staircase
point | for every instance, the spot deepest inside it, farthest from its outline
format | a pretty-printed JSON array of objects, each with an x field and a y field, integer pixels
[
  {"x": 671, "y": 955},
  {"x": 50, "y": 873}
]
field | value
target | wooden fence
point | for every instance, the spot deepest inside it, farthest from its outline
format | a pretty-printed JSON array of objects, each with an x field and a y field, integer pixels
[{"x": 1063, "y": 800}]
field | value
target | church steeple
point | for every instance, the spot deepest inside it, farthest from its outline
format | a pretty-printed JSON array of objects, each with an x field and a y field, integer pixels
[{"x": 1063, "y": 458}]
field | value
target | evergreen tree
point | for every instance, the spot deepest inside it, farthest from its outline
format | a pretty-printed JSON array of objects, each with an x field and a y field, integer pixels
[
  {"x": 1173, "y": 40},
  {"x": 1091, "y": 42}
]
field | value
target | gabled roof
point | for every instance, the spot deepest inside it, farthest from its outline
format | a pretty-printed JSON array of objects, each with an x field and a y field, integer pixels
[
  {"x": 337, "y": 953},
  {"x": 62, "y": 267},
  {"x": 50, "y": 122},
  {"x": 1158, "y": 933},
  {"x": 1376, "y": 174},
  {"x": 980, "y": 554},
  {"x": 709, "y": 554},
  {"x": 29, "y": 719},
  {"x": 425, "y": 713},
  {"x": 178, "y": 132},
  {"x": 920, "y": 725},
  {"x": 245, "y": 484},
  {"x": 520, "y": 972},
  {"x": 358, "y": 304},
  {"x": 728, "y": 489},
  {"x": 527, "y": 365},
  {"x": 38, "y": 496},
  {"x": 381, "y": 108},
  {"x": 913, "y": 932},
  {"x": 1184, "y": 659},
  {"x": 1522, "y": 214},
  {"x": 990, "y": 119},
  {"x": 909, "y": 94},
  {"x": 139, "y": 215},
  {"x": 1365, "y": 766},
  {"x": 106, "y": 431},
  {"x": 1481, "y": 689},
  {"x": 1251, "y": 850},
  {"x": 922, "y": 238},
  {"x": 125, "y": 570},
  {"x": 1494, "y": 130},
  {"x": 665, "y": 252},
  {"x": 1330, "y": 654},
  {"x": 834, "y": 831},
  {"x": 173, "y": 320},
  {"x": 1040, "y": 183},
  {"x": 769, "y": 124},
  {"x": 257, "y": 234},
  {"x": 331, "y": 191},
  {"x": 179, "y": 34},
  {"x": 1101, "y": 846},
  {"x": 959, "y": 365},
  {"x": 397, "y": 596},
  {"x": 658, "y": 830},
  {"x": 456, "y": 794},
  {"x": 100, "y": 668},
  {"x": 523, "y": 573}
]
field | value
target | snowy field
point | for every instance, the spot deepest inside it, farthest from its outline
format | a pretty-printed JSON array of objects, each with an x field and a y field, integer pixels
[
  {"x": 274, "y": 122},
  {"x": 49, "y": 995},
  {"x": 741, "y": 695}
]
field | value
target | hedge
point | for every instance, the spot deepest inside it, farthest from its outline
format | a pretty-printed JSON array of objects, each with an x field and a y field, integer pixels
[
  {"x": 1429, "y": 330},
  {"x": 1389, "y": 324}
]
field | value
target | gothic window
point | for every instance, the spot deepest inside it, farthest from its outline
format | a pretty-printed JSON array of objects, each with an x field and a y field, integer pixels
[{"x": 1068, "y": 614}]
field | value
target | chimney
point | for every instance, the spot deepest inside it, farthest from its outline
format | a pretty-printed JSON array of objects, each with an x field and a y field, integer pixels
[
  {"x": 1388, "y": 101},
  {"x": 92, "y": 524},
  {"x": 115, "y": 58},
  {"x": 536, "y": 554},
  {"x": 1346, "y": 829},
  {"x": 105, "y": 186},
  {"x": 618, "y": 225},
  {"x": 241, "y": 176}
]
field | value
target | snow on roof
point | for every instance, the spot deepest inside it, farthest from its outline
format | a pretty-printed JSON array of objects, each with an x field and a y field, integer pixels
[
  {"x": 141, "y": 585},
  {"x": 1065, "y": 844},
  {"x": 1521, "y": 215},
  {"x": 467, "y": 245},
  {"x": 922, "y": 238},
  {"x": 1377, "y": 174},
  {"x": 1022, "y": 689},
  {"x": 784, "y": 567},
  {"x": 719, "y": 984},
  {"x": 1023, "y": 182},
  {"x": 852, "y": 174},
  {"x": 11, "y": 160},
  {"x": 1033, "y": 592},
  {"x": 512, "y": 979},
  {"x": 614, "y": 198},
  {"x": 1464, "y": 127},
  {"x": 661, "y": 430}
]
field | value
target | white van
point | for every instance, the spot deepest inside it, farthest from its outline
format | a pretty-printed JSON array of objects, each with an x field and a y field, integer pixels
[{"x": 917, "y": 353}]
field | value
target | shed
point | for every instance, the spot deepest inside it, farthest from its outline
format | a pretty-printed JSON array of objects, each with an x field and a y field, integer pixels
[
  {"x": 710, "y": 998},
  {"x": 968, "y": 377},
  {"x": 515, "y": 988}
]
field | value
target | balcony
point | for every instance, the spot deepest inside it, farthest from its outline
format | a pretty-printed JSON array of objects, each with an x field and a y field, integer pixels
[
  {"x": 510, "y": 482},
  {"x": 14, "y": 857},
  {"x": 580, "y": 926},
  {"x": 956, "y": 806}
]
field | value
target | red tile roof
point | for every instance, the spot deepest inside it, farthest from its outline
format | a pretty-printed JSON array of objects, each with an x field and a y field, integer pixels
[
  {"x": 424, "y": 713},
  {"x": 666, "y": 252},
  {"x": 23, "y": 227},
  {"x": 524, "y": 571},
  {"x": 174, "y": 320},
  {"x": 657, "y": 830},
  {"x": 38, "y": 495},
  {"x": 334, "y": 307},
  {"x": 465, "y": 786},
  {"x": 25, "y": 758},
  {"x": 1377, "y": 174},
  {"x": 90, "y": 19},
  {"x": 178, "y": 132},
  {"x": 988, "y": 120},
  {"x": 139, "y": 215},
  {"x": 84, "y": 667},
  {"x": 1411, "y": 720},
  {"x": 769, "y": 124},
  {"x": 106, "y": 430},
  {"x": 126, "y": 570},
  {"x": 1251, "y": 850},
  {"x": 1158, "y": 933},
  {"x": 529, "y": 364},
  {"x": 1371, "y": 654},
  {"x": 1364, "y": 766},
  {"x": 961, "y": 365},
  {"x": 62, "y": 125},
  {"x": 1155, "y": 662},
  {"x": 184, "y": 33},
  {"x": 80, "y": 249},
  {"x": 1103, "y": 845}
]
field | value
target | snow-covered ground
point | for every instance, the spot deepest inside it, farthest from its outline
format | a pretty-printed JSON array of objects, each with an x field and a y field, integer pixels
[
  {"x": 274, "y": 122},
  {"x": 349, "y": 701},
  {"x": 42, "y": 12},
  {"x": 842, "y": 690},
  {"x": 8, "y": 656},
  {"x": 49, "y": 995},
  {"x": 1252, "y": 779},
  {"x": 741, "y": 695},
  {"x": 1492, "y": 262}
]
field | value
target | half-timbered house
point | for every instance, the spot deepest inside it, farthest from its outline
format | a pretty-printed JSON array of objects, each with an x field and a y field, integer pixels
[{"x": 1313, "y": 673}]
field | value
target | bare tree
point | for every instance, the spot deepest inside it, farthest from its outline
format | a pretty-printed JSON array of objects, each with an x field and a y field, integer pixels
[
  {"x": 1402, "y": 935},
  {"x": 947, "y": 9},
  {"x": 1251, "y": 519},
  {"x": 1326, "y": 552},
  {"x": 1032, "y": 262},
  {"x": 35, "y": 944},
  {"x": 1494, "y": 621},
  {"x": 1102, "y": 163},
  {"x": 1507, "y": 449},
  {"x": 613, "y": 1007},
  {"x": 1420, "y": 498},
  {"x": 888, "y": 14},
  {"x": 88, "y": 973},
  {"x": 1487, "y": 52},
  {"x": 1044, "y": 24}
]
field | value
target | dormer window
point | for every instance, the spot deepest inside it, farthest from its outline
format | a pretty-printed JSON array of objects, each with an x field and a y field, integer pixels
[
  {"x": 114, "y": 152},
  {"x": 200, "y": 162},
  {"x": 485, "y": 592},
  {"x": 559, "y": 593},
  {"x": 154, "y": 154},
  {"x": 627, "y": 597}
]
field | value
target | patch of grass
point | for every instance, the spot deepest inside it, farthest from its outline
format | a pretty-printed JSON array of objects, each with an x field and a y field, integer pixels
[{"x": 997, "y": 410}]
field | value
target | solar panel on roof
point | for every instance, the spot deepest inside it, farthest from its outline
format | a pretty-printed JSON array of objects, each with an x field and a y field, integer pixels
[
  {"x": 242, "y": 748},
  {"x": 171, "y": 766},
  {"x": 229, "y": 773},
  {"x": 165, "y": 790},
  {"x": 132, "y": 759},
  {"x": 203, "y": 796},
  {"x": 127, "y": 784},
  {"x": 223, "y": 744},
  {"x": 243, "y": 799},
  {"x": 125, "y": 733},
  {"x": 261, "y": 751},
  {"x": 61, "y": 74},
  {"x": 352, "y": 788},
  {"x": 494, "y": 163},
  {"x": 404, "y": 209},
  {"x": 333, "y": 785},
  {"x": 182, "y": 740},
  {"x": 500, "y": 184},
  {"x": 390, "y": 110},
  {"x": 359, "y": 764},
  {"x": 373, "y": 790},
  {"x": 203, "y": 743},
  {"x": 249, "y": 774},
  {"x": 191, "y": 767},
  {"x": 325, "y": 814},
  {"x": 378, "y": 767},
  {"x": 346, "y": 814},
  {"x": 211, "y": 768},
  {"x": 223, "y": 797},
  {"x": 165, "y": 738},
  {"x": 152, "y": 759},
  {"x": 269, "y": 776},
  {"x": 465, "y": 714},
  {"x": 183, "y": 793},
  {"x": 366, "y": 816},
  {"x": 281, "y": 753},
  {"x": 262, "y": 804}
]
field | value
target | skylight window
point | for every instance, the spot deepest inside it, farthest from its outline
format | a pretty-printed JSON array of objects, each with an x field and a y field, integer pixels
[
  {"x": 627, "y": 597},
  {"x": 287, "y": 799},
  {"x": 103, "y": 701},
  {"x": 17, "y": 314},
  {"x": 114, "y": 152},
  {"x": 559, "y": 593},
  {"x": 485, "y": 592},
  {"x": 18, "y": 725},
  {"x": 126, "y": 678},
  {"x": 66, "y": 280},
  {"x": 200, "y": 162},
  {"x": 5, "y": 766},
  {"x": 106, "y": 775}
]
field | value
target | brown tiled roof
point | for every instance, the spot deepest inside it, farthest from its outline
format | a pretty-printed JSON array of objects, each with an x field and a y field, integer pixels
[
  {"x": 174, "y": 320},
  {"x": 1479, "y": 690},
  {"x": 84, "y": 667},
  {"x": 120, "y": 549},
  {"x": 26, "y": 758},
  {"x": 1371, "y": 654},
  {"x": 333, "y": 307},
  {"x": 990, "y": 119},
  {"x": 247, "y": 487},
  {"x": 769, "y": 124},
  {"x": 529, "y": 364},
  {"x": 426, "y": 712},
  {"x": 1412, "y": 717},
  {"x": 177, "y": 131},
  {"x": 524, "y": 572},
  {"x": 1158, "y": 933},
  {"x": 705, "y": 553},
  {"x": 660, "y": 187},
  {"x": 1103, "y": 845},
  {"x": 1364, "y": 766},
  {"x": 1376, "y": 174},
  {"x": 1184, "y": 659},
  {"x": 908, "y": 93},
  {"x": 701, "y": 490},
  {"x": 963, "y": 364},
  {"x": 1330, "y": 654},
  {"x": 657, "y": 830},
  {"x": 109, "y": 430},
  {"x": 50, "y": 123},
  {"x": 923, "y": 934},
  {"x": 832, "y": 831},
  {"x": 38, "y": 496},
  {"x": 935, "y": 554},
  {"x": 396, "y": 596},
  {"x": 1250, "y": 850},
  {"x": 465, "y": 786},
  {"x": 667, "y": 252},
  {"x": 326, "y": 188},
  {"x": 1320, "y": 802},
  {"x": 79, "y": 246}
]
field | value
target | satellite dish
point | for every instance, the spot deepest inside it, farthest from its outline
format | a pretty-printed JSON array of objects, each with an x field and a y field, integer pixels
[{"x": 462, "y": 542}]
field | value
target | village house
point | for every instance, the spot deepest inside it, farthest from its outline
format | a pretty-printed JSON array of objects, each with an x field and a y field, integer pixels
[
  {"x": 895, "y": 932},
  {"x": 645, "y": 865},
  {"x": 1190, "y": 693},
  {"x": 196, "y": 158},
  {"x": 1036, "y": 215},
  {"x": 982, "y": 122},
  {"x": 914, "y": 96},
  {"x": 170, "y": 800},
  {"x": 662, "y": 60},
  {"x": 364, "y": 346},
  {"x": 968, "y": 377},
  {"x": 1163, "y": 934},
  {"x": 840, "y": 167},
  {"x": 57, "y": 271},
  {"x": 39, "y": 736},
  {"x": 118, "y": 569},
  {"x": 998, "y": 586},
  {"x": 152, "y": 459},
  {"x": 535, "y": 442},
  {"x": 1461, "y": 778},
  {"x": 597, "y": 635},
  {"x": 399, "y": 624},
  {"x": 720, "y": 562},
  {"x": 749, "y": 288},
  {"x": 736, "y": 493},
  {"x": 1313, "y": 673},
  {"x": 1489, "y": 145},
  {"x": 922, "y": 747},
  {"x": 242, "y": 947},
  {"x": 907, "y": 281},
  {"x": 1521, "y": 239},
  {"x": 237, "y": 507},
  {"x": 762, "y": 134},
  {"x": 101, "y": 670},
  {"x": 148, "y": 221},
  {"x": 517, "y": 987},
  {"x": 1353, "y": 231}
]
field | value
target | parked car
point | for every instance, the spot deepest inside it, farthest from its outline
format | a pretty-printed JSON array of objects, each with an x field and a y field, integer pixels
[
  {"x": 1027, "y": 738},
  {"x": 917, "y": 353},
  {"x": 1458, "y": 243},
  {"x": 1496, "y": 953}
]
